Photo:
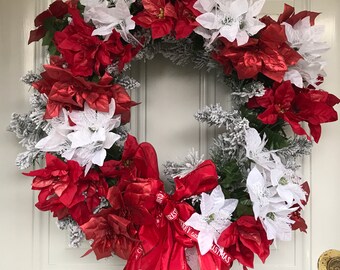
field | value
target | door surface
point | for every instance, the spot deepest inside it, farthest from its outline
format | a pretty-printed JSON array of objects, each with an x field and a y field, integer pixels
[{"x": 170, "y": 95}]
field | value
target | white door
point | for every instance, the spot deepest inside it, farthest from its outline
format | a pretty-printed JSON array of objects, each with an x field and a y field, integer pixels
[{"x": 169, "y": 95}]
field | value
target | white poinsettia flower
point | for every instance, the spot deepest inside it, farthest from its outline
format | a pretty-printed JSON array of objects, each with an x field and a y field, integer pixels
[
  {"x": 255, "y": 149},
  {"x": 86, "y": 140},
  {"x": 215, "y": 217},
  {"x": 290, "y": 192},
  {"x": 56, "y": 139},
  {"x": 305, "y": 73},
  {"x": 92, "y": 135},
  {"x": 261, "y": 193},
  {"x": 305, "y": 38},
  {"x": 277, "y": 222},
  {"x": 106, "y": 18},
  {"x": 231, "y": 19}
]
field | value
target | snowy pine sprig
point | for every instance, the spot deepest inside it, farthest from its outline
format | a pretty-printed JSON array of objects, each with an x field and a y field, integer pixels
[
  {"x": 180, "y": 169},
  {"x": 30, "y": 78},
  {"x": 241, "y": 91},
  {"x": 29, "y": 128},
  {"x": 75, "y": 233}
]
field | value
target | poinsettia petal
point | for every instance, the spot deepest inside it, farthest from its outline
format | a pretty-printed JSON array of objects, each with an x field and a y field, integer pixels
[
  {"x": 208, "y": 21},
  {"x": 205, "y": 241}
]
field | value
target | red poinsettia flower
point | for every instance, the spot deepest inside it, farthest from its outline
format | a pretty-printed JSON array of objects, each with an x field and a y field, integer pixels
[
  {"x": 159, "y": 15},
  {"x": 269, "y": 55},
  {"x": 296, "y": 105},
  {"x": 316, "y": 107},
  {"x": 57, "y": 9},
  {"x": 90, "y": 189},
  {"x": 110, "y": 234},
  {"x": 291, "y": 18},
  {"x": 244, "y": 238},
  {"x": 135, "y": 162},
  {"x": 186, "y": 18},
  {"x": 86, "y": 54},
  {"x": 64, "y": 90},
  {"x": 58, "y": 178},
  {"x": 132, "y": 201},
  {"x": 278, "y": 102},
  {"x": 65, "y": 190}
]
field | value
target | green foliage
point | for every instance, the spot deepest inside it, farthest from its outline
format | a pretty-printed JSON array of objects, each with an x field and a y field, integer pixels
[
  {"x": 111, "y": 181},
  {"x": 53, "y": 25},
  {"x": 275, "y": 135},
  {"x": 231, "y": 176}
]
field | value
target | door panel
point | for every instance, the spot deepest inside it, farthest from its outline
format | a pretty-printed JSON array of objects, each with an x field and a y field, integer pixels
[{"x": 170, "y": 95}]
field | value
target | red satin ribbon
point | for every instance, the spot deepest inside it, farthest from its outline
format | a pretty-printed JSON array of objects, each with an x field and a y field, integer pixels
[{"x": 163, "y": 244}]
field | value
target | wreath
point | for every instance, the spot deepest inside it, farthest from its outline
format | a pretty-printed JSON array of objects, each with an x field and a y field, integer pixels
[{"x": 104, "y": 186}]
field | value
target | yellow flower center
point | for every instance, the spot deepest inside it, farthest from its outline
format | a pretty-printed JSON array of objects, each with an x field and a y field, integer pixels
[{"x": 161, "y": 13}]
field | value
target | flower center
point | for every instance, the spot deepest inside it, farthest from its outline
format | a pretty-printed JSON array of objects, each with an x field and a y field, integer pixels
[
  {"x": 228, "y": 21},
  {"x": 283, "y": 181},
  {"x": 271, "y": 216},
  {"x": 161, "y": 13},
  {"x": 210, "y": 218}
]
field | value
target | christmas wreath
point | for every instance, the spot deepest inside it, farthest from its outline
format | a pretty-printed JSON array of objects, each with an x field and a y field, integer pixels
[{"x": 104, "y": 186}]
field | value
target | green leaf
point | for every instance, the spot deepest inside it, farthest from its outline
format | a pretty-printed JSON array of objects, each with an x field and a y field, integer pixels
[
  {"x": 231, "y": 175},
  {"x": 52, "y": 49},
  {"x": 276, "y": 140},
  {"x": 111, "y": 182},
  {"x": 49, "y": 23},
  {"x": 48, "y": 38}
]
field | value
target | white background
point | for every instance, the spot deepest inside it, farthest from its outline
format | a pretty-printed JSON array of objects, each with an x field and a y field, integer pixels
[{"x": 170, "y": 95}]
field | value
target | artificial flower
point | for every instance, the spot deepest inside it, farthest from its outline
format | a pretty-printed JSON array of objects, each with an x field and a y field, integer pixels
[
  {"x": 56, "y": 140},
  {"x": 91, "y": 188},
  {"x": 268, "y": 54},
  {"x": 58, "y": 178},
  {"x": 159, "y": 15},
  {"x": 316, "y": 107},
  {"x": 64, "y": 90},
  {"x": 86, "y": 140},
  {"x": 305, "y": 38},
  {"x": 255, "y": 148},
  {"x": 296, "y": 105},
  {"x": 277, "y": 222},
  {"x": 278, "y": 102},
  {"x": 243, "y": 238},
  {"x": 86, "y": 54},
  {"x": 138, "y": 160},
  {"x": 215, "y": 217},
  {"x": 269, "y": 207},
  {"x": 186, "y": 18},
  {"x": 106, "y": 18},
  {"x": 64, "y": 190},
  {"x": 111, "y": 230},
  {"x": 289, "y": 191},
  {"x": 231, "y": 19},
  {"x": 261, "y": 193},
  {"x": 58, "y": 9},
  {"x": 91, "y": 135}
]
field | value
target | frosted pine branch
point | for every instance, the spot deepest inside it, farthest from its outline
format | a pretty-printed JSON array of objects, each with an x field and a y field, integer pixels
[
  {"x": 30, "y": 78},
  {"x": 76, "y": 235},
  {"x": 181, "y": 169}
]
